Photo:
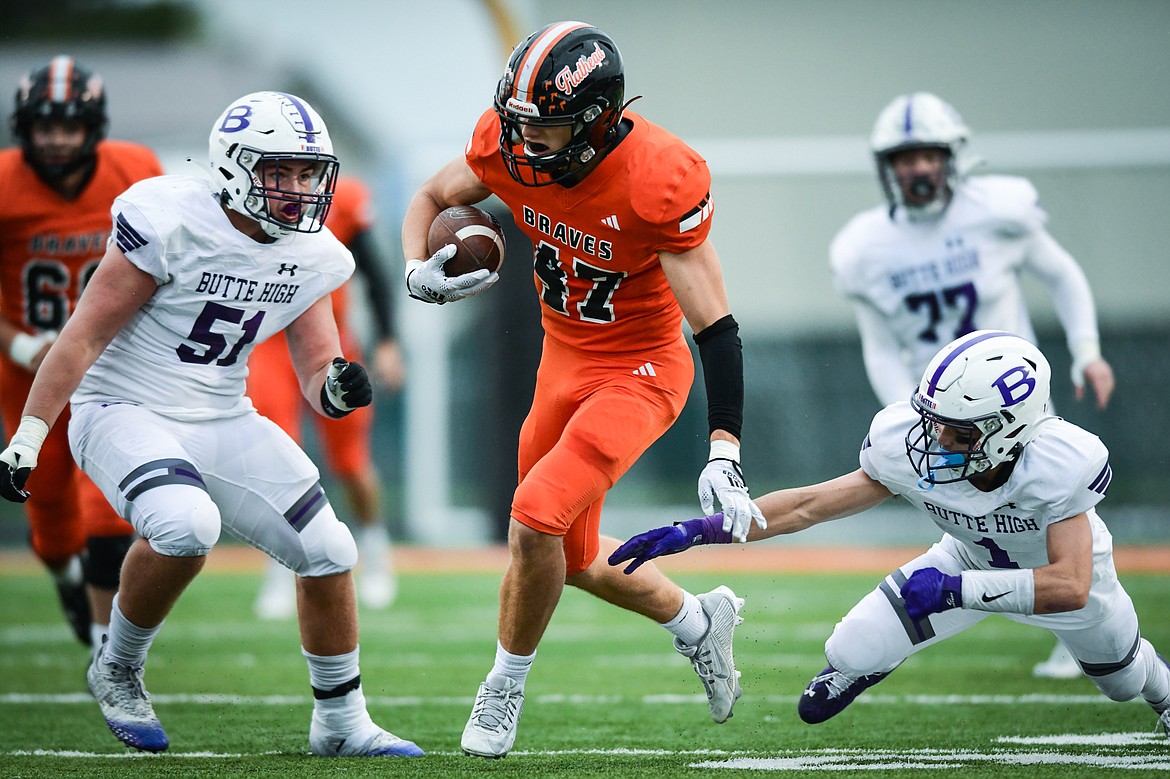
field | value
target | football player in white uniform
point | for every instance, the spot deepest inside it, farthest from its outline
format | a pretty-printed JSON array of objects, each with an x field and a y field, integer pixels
[
  {"x": 944, "y": 257},
  {"x": 155, "y": 360},
  {"x": 1013, "y": 489}
]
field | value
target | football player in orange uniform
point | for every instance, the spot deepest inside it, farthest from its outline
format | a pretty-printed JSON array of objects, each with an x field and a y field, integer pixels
[
  {"x": 53, "y": 230},
  {"x": 276, "y": 393},
  {"x": 619, "y": 212}
]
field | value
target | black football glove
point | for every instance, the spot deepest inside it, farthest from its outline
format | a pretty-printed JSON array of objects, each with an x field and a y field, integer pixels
[{"x": 347, "y": 387}]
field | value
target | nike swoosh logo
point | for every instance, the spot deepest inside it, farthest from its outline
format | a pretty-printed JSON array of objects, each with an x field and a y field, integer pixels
[{"x": 995, "y": 597}]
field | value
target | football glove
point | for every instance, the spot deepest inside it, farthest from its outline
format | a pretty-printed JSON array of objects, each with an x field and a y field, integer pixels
[
  {"x": 18, "y": 460},
  {"x": 671, "y": 539},
  {"x": 426, "y": 280},
  {"x": 347, "y": 387},
  {"x": 929, "y": 591},
  {"x": 722, "y": 479}
]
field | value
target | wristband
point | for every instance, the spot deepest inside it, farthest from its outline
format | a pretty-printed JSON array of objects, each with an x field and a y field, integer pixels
[
  {"x": 31, "y": 433},
  {"x": 722, "y": 449},
  {"x": 1012, "y": 592},
  {"x": 24, "y": 347}
]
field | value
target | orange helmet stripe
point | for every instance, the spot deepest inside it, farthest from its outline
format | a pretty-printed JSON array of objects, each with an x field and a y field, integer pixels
[{"x": 528, "y": 67}]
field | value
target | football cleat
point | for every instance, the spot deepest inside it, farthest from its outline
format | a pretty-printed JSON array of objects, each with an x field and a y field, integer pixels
[
  {"x": 830, "y": 692},
  {"x": 1164, "y": 723},
  {"x": 367, "y": 741},
  {"x": 75, "y": 604},
  {"x": 712, "y": 657},
  {"x": 491, "y": 729},
  {"x": 125, "y": 704}
]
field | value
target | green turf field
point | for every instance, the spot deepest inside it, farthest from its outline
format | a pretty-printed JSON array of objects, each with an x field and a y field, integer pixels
[{"x": 607, "y": 697}]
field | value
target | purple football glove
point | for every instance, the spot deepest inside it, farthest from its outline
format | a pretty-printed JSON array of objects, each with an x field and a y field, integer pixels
[
  {"x": 929, "y": 591},
  {"x": 671, "y": 539}
]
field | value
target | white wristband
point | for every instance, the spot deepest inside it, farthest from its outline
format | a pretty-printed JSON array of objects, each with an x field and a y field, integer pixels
[
  {"x": 24, "y": 347},
  {"x": 1083, "y": 353},
  {"x": 722, "y": 449},
  {"x": 31, "y": 433},
  {"x": 1011, "y": 591}
]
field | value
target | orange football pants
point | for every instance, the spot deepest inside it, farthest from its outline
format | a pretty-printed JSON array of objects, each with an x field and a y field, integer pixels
[
  {"x": 64, "y": 507},
  {"x": 592, "y": 417},
  {"x": 276, "y": 394}
]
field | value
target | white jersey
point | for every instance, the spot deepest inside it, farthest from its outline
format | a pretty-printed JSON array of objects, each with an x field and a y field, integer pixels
[
  {"x": 919, "y": 285},
  {"x": 184, "y": 353},
  {"x": 1061, "y": 473}
]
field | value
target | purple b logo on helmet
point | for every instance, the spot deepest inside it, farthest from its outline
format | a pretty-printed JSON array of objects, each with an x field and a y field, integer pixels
[
  {"x": 1015, "y": 386},
  {"x": 236, "y": 119}
]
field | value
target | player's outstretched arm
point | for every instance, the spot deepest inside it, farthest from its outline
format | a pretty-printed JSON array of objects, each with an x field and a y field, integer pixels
[{"x": 786, "y": 511}]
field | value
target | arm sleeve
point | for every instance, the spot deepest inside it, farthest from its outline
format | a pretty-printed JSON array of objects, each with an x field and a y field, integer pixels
[
  {"x": 1071, "y": 295},
  {"x": 721, "y": 352},
  {"x": 888, "y": 373},
  {"x": 368, "y": 261}
]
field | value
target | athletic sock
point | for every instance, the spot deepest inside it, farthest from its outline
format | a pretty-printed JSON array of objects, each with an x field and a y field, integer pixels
[{"x": 690, "y": 624}]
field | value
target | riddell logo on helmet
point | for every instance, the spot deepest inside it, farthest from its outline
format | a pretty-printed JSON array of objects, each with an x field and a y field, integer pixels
[{"x": 570, "y": 78}]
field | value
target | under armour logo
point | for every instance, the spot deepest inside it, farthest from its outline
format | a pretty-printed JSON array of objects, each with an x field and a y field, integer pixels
[{"x": 292, "y": 269}]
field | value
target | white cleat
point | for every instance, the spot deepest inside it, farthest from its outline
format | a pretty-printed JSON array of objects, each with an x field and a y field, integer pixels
[
  {"x": 125, "y": 704},
  {"x": 1059, "y": 665},
  {"x": 1164, "y": 723},
  {"x": 367, "y": 741},
  {"x": 491, "y": 730},
  {"x": 712, "y": 657}
]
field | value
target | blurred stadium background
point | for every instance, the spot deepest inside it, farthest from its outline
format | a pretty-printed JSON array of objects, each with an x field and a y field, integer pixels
[{"x": 780, "y": 97}]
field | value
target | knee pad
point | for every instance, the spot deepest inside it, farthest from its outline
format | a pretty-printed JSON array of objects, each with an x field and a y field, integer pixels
[
  {"x": 178, "y": 520},
  {"x": 860, "y": 647},
  {"x": 1126, "y": 683},
  {"x": 328, "y": 546},
  {"x": 103, "y": 563}
]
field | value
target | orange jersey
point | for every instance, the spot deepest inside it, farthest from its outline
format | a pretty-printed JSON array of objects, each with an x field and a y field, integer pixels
[
  {"x": 49, "y": 246},
  {"x": 596, "y": 244},
  {"x": 272, "y": 382},
  {"x": 349, "y": 215}
]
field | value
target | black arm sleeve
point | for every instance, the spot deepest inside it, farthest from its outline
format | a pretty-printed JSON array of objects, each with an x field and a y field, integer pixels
[
  {"x": 377, "y": 282},
  {"x": 721, "y": 353}
]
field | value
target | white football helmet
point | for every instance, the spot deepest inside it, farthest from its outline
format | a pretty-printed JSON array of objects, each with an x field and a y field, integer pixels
[
  {"x": 267, "y": 127},
  {"x": 991, "y": 383},
  {"x": 914, "y": 121}
]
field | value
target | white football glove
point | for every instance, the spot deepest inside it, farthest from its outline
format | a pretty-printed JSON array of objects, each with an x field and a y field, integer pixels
[
  {"x": 722, "y": 479},
  {"x": 18, "y": 460},
  {"x": 426, "y": 281}
]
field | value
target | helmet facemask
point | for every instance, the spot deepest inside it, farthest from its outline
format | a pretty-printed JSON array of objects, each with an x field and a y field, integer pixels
[
  {"x": 940, "y": 192},
  {"x": 567, "y": 74},
  {"x": 300, "y": 209}
]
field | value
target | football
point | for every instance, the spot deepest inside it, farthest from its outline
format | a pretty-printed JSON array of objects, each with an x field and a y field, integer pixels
[{"x": 477, "y": 235}]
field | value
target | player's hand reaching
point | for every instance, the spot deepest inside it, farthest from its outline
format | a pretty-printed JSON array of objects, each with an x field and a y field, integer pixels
[
  {"x": 347, "y": 387},
  {"x": 671, "y": 539},
  {"x": 929, "y": 591},
  {"x": 722, "y": 480},
  {"x": 18, "y": 460},
  {"x": 427, "y": 281}
]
